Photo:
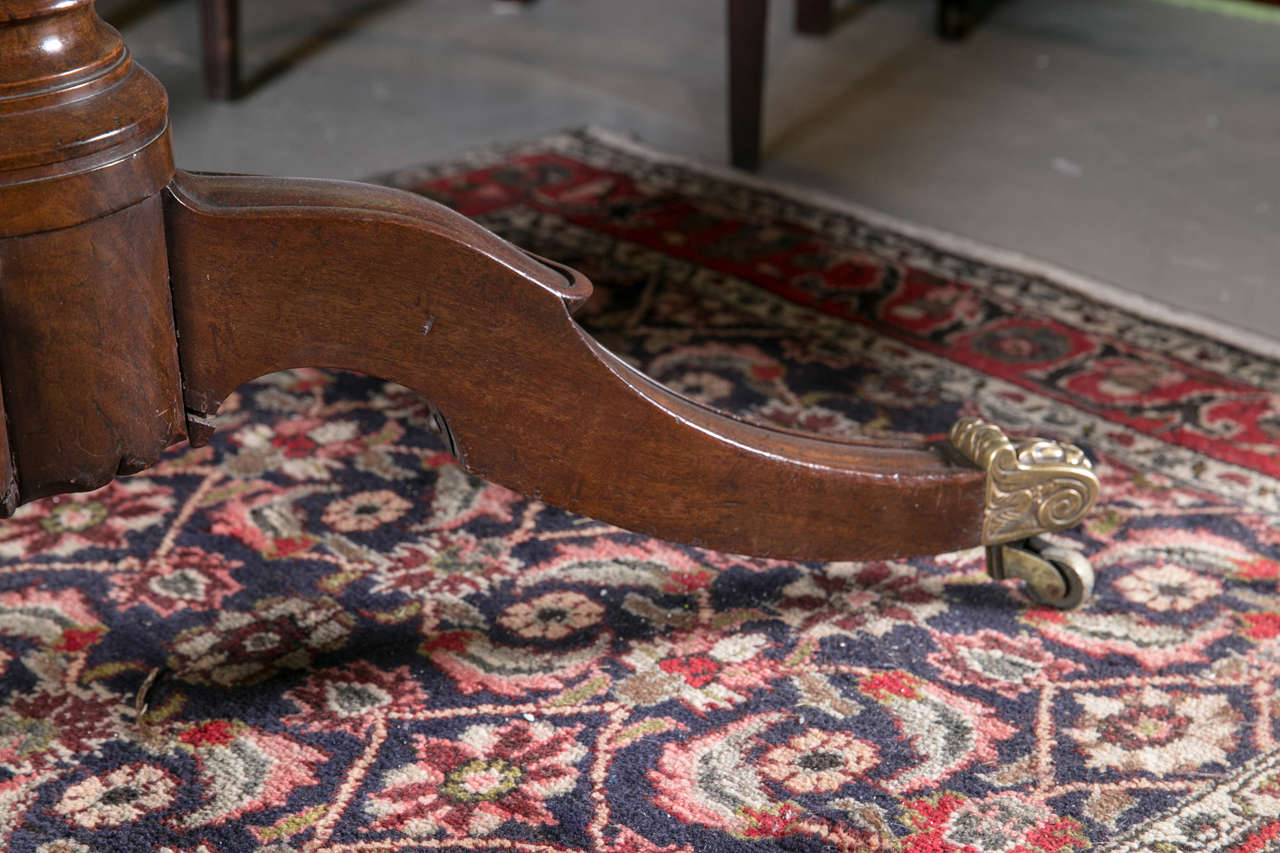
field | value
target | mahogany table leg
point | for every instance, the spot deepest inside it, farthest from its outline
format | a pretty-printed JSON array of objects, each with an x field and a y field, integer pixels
[
  {"x": 746, "y": 27},
  {"x": 390, "y": 284}
]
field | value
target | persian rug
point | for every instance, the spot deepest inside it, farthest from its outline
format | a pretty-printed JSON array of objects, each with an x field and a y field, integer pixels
[{"x": 337, "y": 640}]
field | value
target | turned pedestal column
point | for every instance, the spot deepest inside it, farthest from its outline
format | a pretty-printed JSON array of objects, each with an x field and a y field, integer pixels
[{"x": 88, "y": 358}]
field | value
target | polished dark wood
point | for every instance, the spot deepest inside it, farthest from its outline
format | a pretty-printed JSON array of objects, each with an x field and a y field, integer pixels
[
  {"x": 84, "y": 130},
  {"x": 135, "y": 298},
  {"x": 88, "y": 359},
  {"x": 390, "y": 284},
  {"x": 88, "y": 355},
  {"x": 220, "y": 48}
]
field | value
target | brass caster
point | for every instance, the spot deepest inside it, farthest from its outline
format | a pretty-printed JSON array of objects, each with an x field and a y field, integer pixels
[{"x": 1056, "y": 577}]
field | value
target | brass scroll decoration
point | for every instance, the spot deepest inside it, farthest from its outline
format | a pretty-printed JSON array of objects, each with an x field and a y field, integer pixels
[{"x": 1033, "y": 486}]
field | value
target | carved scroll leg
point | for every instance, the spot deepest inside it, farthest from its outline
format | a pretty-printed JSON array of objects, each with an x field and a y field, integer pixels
[
  {"x": 1034, "y": 486},
  {"x": 270, "y": 274}
]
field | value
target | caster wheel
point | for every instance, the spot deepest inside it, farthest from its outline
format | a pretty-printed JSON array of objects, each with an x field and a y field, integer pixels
[
  {"x": 1056, "y": 577},
  {"x": 1077, "y": 575}
]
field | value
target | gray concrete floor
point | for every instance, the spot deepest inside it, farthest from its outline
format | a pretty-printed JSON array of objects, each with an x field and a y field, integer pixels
[{"x": 1131, "y": 140}]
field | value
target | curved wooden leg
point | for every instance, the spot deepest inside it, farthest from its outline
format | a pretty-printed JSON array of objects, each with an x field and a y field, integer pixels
[{"x": 269, "y": 274}]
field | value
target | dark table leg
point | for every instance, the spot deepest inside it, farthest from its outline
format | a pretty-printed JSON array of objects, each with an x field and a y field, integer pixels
[
  {"x": 747, "y": 20},
  {"x": 814, "y": 17},
  {"x": 220, "y": 41}
]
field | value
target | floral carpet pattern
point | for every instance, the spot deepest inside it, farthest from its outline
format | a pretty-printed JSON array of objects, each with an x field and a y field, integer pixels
[{"x": 341, "y": 641}]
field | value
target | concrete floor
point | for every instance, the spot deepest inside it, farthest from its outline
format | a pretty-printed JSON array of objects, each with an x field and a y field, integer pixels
[{"x": 1134, "y": 141}]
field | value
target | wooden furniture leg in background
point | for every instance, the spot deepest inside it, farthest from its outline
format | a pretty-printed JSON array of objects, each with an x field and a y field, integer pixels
[
  {"x": 273, "y": 273},
  {"x": 746, "y": 29},
  {"x": 747, "y": 19},
  {"x": 220, "y": 48},
  {"x": 957, "y": 18},
  {"x": 815, "y": 17},
  {"x": 954, "y": 19},
  {"x": 184, "y": 286}
]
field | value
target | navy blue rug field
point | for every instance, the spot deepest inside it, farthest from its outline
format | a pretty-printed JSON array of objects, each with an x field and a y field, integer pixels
[{"x": 357, "y": 646}]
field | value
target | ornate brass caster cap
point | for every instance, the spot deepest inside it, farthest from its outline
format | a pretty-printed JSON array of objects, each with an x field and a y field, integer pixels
[{"x": 1034, "y": 486}]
